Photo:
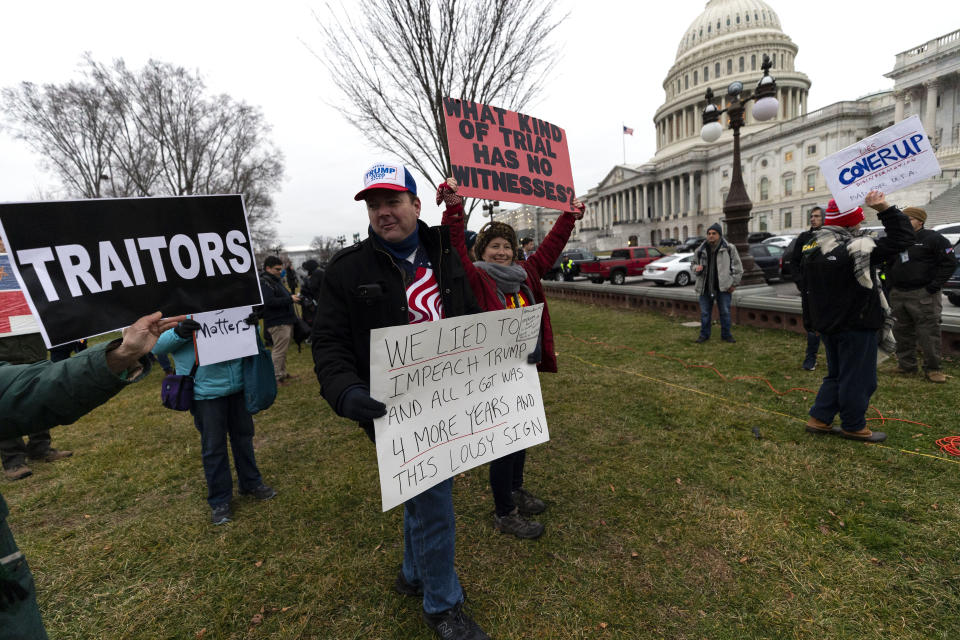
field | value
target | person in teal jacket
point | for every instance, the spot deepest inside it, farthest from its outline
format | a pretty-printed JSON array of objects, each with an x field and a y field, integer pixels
[
  {"x": 218, "y": 411},
  {"x": 41, "y": 396}
]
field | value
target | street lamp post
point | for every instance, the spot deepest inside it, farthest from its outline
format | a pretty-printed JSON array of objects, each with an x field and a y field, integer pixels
[
  {"x": 736, "y": 208},
  {"x": 488, "y": 208}
]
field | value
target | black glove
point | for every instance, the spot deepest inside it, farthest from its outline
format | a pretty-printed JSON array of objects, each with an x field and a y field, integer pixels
[
  {"x": 186, "y": 328},
  {"x": 11, "y": 591},
  {"x": 254, "y": 318},
  {"x": 356, "y": 404},
  {"x": 535, "y": 356}
]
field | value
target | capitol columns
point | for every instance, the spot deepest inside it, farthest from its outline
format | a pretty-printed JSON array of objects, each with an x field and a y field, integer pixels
[
  {"x": 898, "y": 97},
  {"x": 930, "y": 116}
]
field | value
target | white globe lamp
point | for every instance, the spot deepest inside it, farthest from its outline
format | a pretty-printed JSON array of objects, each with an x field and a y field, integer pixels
[{"x": 711, "y": 131}]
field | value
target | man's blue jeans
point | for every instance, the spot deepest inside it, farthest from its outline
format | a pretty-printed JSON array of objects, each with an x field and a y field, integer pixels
[
  {"x": 706, "y": 312},
  {"x": 215, "y": 420},
  {"x": 429, "y": 534},
  {"x": 851, "y": 379}
]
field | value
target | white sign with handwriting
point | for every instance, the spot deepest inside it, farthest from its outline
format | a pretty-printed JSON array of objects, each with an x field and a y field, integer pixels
[
  {"x": 891, "y": 159},
  {"x": 224, "y": 335},
  {"x": 459, "y": 393}
]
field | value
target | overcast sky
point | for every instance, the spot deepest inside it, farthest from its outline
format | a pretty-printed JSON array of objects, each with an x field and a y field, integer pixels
[{"x": 615, "y": 57}]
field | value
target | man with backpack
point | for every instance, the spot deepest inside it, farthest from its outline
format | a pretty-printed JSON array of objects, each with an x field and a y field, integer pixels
[{"x": 844, "y": 302}]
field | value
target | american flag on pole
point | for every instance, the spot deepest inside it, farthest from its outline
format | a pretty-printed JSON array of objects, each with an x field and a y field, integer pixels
[
  {"x": 627, "y": 131},
  {"x": 15, "y": 315}
]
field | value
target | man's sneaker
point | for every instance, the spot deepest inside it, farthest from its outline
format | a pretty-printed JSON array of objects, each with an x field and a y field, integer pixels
[
  {"x": 454, "y": 624},
  {"x": 936, "y": 376},
  {"x": 729, "y": 339},
  {"x": 810, "y": 364},
  {"x": 516, "y": 524},
  {"x": 404, "y": 588},
  {"x": 221, "y": 514},
  {"x": 701, "y": 339},
  {"x": 527, "y": 503},
  {"x": 18, "y": 472},
  {"x": 263, "y": 492},
  {"x": 52, "y": 455},
  {"x": 906, "y": 372}
]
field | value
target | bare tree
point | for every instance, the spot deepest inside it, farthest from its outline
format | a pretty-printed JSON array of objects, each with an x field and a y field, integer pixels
[
  {"x": 398, "y": 60},
  {"x": 69, "y": 126},
  {"x": 150, "y": 132},
  {"x": 323, "y": 247}
]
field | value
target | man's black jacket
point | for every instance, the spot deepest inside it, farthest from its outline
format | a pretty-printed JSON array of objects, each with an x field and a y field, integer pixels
[
  {"x": 277, "y": 301},
  {"x": 362, "y": 290},
  {"x": 930, "y": 263},
  {"x": 833, "y": 300}
]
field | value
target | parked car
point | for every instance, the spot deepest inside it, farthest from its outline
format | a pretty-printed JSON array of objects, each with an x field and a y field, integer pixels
[
  {"x": 768, "y": 258},
  {"x": 669, "y": 242},
  {"x": 691, "y": 244},
  {"x": 780, "y": 241},
  {"x": 675, "y": 269},
  {"x": 758, "y": 236},
  {"x": 621, "y": 264},
  {"x": 950, "y": 231},
  {"x": 952, "y": 288},
  {"x": 578, "y": 256}
]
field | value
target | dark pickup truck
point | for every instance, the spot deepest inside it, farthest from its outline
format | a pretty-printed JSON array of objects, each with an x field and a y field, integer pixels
[{"x": 621, "y": 264}]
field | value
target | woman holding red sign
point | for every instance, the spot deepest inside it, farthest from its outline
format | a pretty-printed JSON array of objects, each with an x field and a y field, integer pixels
[{"x": 500, "y": 281}]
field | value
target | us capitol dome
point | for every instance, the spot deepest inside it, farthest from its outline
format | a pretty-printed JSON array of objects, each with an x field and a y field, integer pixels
[
  {"x": 681, "y": 190},
  {"x": 724, "y": 44}
]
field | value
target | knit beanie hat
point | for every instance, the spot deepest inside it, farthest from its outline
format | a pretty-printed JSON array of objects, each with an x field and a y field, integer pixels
[
  {"x": 491, "y": 230},
  {"x": 834, "y": 217},
  {"x": 916, "y": 212},
  {"x": 716, "y": 227}
]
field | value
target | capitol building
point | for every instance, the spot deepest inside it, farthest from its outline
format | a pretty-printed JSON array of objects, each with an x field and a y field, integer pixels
[{"x": 681, "y": 190}]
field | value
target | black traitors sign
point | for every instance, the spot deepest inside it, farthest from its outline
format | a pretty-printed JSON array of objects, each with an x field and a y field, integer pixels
[{"x": 92, "y": 266}]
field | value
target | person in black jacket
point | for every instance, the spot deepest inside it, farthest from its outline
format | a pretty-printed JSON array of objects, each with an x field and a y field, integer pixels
[
  {"x": 844, "y": 303},
  {"x": 795, "y": 252},
  {"x": 916, "y": 278},
  {"x": 278, "y": 314},
  {"x": 310, "y": 290},
  {"x": 384, "y": 281}
]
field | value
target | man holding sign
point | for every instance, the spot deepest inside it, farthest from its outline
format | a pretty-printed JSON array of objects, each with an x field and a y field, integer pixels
[
  {"x": 844, "y": 302},
  {"x": 403, "y": 273}
]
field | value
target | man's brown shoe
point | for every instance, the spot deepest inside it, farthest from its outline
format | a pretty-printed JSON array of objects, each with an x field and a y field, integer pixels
[
  {"x": 18, "y": 473},
  {"x": 52, "y": 455},
  {"x": 864, "y": 435},
  {"x": 936, "y": 376},
  {"x": 818, "y": 426},
  {"x": 905, "y": 372}
]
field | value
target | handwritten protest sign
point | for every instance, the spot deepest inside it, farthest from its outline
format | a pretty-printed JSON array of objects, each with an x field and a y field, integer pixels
[
  {"x": 224, "y": 335},
  {"x": 891, "y": 159},
  {"x": 92, "y": 266},
  {"x": 506, "y": 155},
  {"x": 459, "y": 393}
]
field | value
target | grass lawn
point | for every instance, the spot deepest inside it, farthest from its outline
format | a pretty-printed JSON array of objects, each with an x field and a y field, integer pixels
[{"x": 681, "y": 505}]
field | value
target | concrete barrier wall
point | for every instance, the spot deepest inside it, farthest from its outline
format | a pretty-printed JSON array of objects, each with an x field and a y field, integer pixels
[{"x": 755, "y": 306}]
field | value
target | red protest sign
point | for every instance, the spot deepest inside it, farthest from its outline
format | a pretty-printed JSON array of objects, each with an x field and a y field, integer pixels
[{"x": 505, "y": 155}]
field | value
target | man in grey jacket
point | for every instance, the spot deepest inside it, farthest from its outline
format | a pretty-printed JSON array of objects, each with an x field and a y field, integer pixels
[{"x": 718, "y": 273}]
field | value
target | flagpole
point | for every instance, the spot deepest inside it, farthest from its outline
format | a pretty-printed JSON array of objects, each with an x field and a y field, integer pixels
[{"x": 623, "y": 135}]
